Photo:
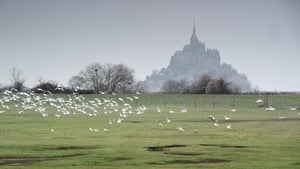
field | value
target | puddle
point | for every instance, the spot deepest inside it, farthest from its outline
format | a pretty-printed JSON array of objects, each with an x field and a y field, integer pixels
[{"x": 163, "y": 148}]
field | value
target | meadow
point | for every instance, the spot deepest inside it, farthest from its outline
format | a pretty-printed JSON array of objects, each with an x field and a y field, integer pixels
[{"x": 45, "y": 136}]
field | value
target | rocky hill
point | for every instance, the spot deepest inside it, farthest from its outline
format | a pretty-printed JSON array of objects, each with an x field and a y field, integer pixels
[{"x": 193, "y": 61}]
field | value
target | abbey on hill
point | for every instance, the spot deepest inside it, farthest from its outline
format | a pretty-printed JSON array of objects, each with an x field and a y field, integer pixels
[{"x": 193, "y": 61}]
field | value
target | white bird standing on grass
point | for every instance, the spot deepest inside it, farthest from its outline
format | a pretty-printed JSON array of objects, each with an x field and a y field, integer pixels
[
  {"x": 270, "y": 108},
  {"x": 168, "y": 120},
  {"x": 160, "y": 125},
  {"x": 229, "y": 126},
  {"x": 180, "y": 128},
  {"x": 227, "y": 118},
  {"x": 212, "y": 118},
  {"x": 259, "y": 101}
]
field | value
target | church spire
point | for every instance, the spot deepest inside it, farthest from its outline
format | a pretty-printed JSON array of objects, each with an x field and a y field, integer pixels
[
  {"x": 194, "y": 28},
  {"x": 194, "y": 40}
]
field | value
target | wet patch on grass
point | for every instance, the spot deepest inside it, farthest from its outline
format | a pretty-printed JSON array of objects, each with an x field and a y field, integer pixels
[
  {"x": 223, "y": 146},
  {"x": 202, "y": 161},
  {"x": 19, "y": 161},
  {"x": 69, "y": 148},
  {"x": 183, "y": 153},
  {"x": 296, "y": 163},
  {"x": 163, "y": 148},
  {"x": 133, "y": 121}
]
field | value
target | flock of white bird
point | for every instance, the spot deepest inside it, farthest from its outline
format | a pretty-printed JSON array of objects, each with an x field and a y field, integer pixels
[{"x": 47, "y": 104}]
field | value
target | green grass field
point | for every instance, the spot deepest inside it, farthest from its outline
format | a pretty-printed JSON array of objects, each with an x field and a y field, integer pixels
[{"x": 258, "y": 139}]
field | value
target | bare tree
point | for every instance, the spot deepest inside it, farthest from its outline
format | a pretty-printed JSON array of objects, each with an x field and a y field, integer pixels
[
  {"x": 77, "y": 81},
  {"x": 220, "y": 86},
  {"x": 109, "y": 78},
  {"x": 93, "y": 76},
  {"x": 201, "y": 86},
  {"x": 17, "y": 79},
  {"x": 122, "y": 79},
  {"x": 173, "y": 86}
]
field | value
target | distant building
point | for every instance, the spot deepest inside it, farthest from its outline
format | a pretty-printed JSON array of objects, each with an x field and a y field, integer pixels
[{"x": 193, "y": 61}]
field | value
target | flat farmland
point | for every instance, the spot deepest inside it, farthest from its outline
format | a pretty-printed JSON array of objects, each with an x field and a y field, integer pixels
[{"x": 149, "y": 131}]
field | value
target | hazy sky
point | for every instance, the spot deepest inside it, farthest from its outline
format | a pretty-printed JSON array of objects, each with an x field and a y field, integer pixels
[{"x": 55, "y": 39}]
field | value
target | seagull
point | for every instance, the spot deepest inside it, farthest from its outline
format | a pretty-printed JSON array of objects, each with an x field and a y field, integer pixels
[
  {"x": 105, "y": 130},
  {"x": 227, "y": 118},
  {"x": 158, "y": 109},
  {"x": 216, "y": 124},
  {"x": 119, "y": 120},
  {"x": 293, "y": 108},
  {"x": 229, "y": 126},
  {"x": 171, "y": 111},
  {"x": 110, "y": 122},
  {"x": 180, "y": 128},
  {"x": 96, "y": 130},
  {"x": 137, "y": 92},
  {"x": 270, "y": 108},
  {"x": 129, "y": 98},
  {"x": 44, "y": 115},
  {"x": 212, "y": 118},
  {"x": 59, "y": 87},
  {"x": 233, "y": 110},
  {"x": 121, "y": 99},
  {"x": 168, "y": 120},
  {"x": 57, "y": 115},
  {"x": 52, "y": 130},
  {"x": 160, "y": 125},
  {"x": 91, "y": 130},
  {"x": 184, "y": 110},
  {"x": 259, "y": 101}
]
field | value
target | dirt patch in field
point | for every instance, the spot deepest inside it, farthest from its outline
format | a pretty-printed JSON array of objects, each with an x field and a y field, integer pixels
[
  {"x": 223, "y": 146},
  {"x": 163, "y": 148},
  {"x": 19, "y": 161}
]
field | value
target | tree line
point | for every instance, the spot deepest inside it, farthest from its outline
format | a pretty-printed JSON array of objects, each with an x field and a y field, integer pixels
[
  {"x": 118, "y": 78},
  {"x": 205, "y": 84},
  {"x": 95, "y": 78}
]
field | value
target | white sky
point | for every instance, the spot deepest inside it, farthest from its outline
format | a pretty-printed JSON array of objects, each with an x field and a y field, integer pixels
[{"x": 56, "y": 39}]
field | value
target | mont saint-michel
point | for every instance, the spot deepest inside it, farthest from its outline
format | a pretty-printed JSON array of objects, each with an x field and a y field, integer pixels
[{"x": 193, "y": 61}]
